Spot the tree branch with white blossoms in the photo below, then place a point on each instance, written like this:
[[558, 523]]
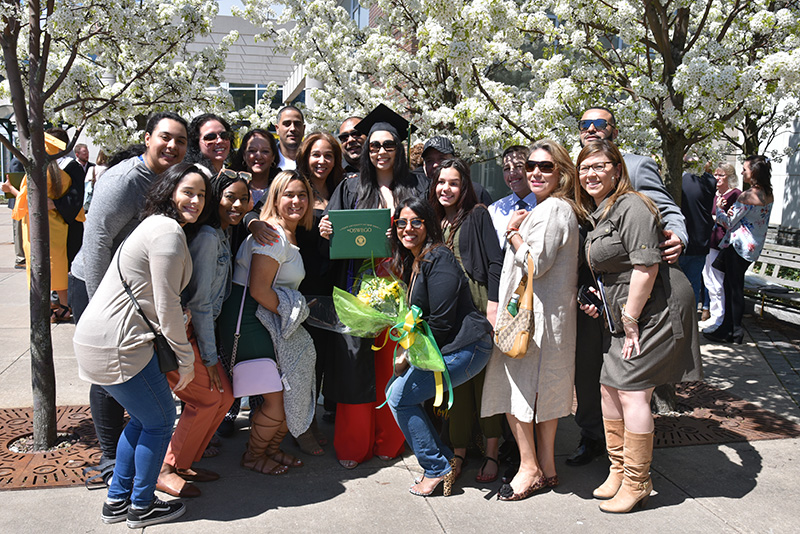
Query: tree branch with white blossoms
[[96, 66]]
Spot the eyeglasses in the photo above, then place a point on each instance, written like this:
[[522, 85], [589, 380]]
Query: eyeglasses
[[344, 136], [212, 136], [596, 167], [599, 124], [389, 146], [416, 224], [544, 166], [234, 175]]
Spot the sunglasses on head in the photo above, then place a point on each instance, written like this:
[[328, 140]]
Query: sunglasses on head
[[389, 146], [599, 124], [234, 175], [212, 136], [415, 223], [344, 136], [544, 166]]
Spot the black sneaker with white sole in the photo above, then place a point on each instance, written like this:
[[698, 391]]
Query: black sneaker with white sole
[[158, 512], [115, 512]]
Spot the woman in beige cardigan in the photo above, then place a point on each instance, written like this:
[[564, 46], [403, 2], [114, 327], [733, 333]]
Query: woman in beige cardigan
[[114, 345], [535, 390]]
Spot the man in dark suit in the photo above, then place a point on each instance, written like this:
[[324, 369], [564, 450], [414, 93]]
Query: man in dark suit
[[595, 124], [697, 201], [19, 253]]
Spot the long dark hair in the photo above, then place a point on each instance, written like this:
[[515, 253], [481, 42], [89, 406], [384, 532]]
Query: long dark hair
[[239, 162], [761, 172], [467, 199], [159, 198], [402, 185], [303, 155], [403, 261], [193, 153], [219, 184]]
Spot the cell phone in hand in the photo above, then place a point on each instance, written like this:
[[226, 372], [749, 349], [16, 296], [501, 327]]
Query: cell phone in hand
[[588, 297]]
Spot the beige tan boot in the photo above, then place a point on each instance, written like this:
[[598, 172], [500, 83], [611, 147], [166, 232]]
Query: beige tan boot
[[615, 437], [636, 482]]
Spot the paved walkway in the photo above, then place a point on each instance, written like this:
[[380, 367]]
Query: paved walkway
[[737, 487]]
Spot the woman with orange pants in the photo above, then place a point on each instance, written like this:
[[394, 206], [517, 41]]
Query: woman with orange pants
[[209, 396]]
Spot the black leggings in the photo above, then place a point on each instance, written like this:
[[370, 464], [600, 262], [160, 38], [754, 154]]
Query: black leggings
[[107, 414], [734, 267]]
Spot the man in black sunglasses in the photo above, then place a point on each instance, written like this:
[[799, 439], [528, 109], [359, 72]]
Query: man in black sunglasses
[[599, 123], [352, 142], [595, 124]]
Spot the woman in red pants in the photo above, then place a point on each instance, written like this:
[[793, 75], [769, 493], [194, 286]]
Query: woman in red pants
[[361, 374]]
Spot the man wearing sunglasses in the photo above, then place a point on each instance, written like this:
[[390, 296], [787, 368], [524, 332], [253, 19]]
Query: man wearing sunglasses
[[352, 142], [595, 124], [599, 123], [290, 127], [516, 178]]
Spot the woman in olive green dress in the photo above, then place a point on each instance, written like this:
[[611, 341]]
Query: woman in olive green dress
[[650, 336]]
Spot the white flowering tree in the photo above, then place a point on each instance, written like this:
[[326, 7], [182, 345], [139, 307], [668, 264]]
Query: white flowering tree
[[94, 65], [677, 73], [686, 69]]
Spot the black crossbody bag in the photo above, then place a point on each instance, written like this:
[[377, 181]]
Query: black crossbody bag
[[167, 361]]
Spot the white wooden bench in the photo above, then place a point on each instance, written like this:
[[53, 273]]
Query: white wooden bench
[[766, 281]]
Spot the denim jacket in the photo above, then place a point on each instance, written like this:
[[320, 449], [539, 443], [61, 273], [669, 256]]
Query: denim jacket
[[209, 287]]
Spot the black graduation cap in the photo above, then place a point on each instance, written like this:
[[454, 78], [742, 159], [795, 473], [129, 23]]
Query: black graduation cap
[[382, 114]]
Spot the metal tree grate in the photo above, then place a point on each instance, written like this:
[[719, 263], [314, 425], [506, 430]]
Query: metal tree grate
[[713, 415], [57, 468]]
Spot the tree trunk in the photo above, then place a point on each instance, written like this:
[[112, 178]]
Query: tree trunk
[[751, 141], [43, 378], [673, 147]]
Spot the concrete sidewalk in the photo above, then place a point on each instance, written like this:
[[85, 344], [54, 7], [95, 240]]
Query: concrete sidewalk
[[738, 487]]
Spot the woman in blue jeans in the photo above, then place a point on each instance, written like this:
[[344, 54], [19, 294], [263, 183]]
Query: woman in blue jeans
[[114, 345], [437, 285]]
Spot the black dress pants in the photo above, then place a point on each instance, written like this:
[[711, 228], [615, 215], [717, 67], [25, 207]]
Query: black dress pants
[[107, 414]]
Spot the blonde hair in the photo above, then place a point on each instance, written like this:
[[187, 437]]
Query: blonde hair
[[623, 186], [730, 172], [276, 189]]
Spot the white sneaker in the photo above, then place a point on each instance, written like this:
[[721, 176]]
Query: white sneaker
[[712, 322]]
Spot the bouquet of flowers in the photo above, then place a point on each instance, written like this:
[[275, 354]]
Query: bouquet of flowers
[[376, 305], [379, 304]]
